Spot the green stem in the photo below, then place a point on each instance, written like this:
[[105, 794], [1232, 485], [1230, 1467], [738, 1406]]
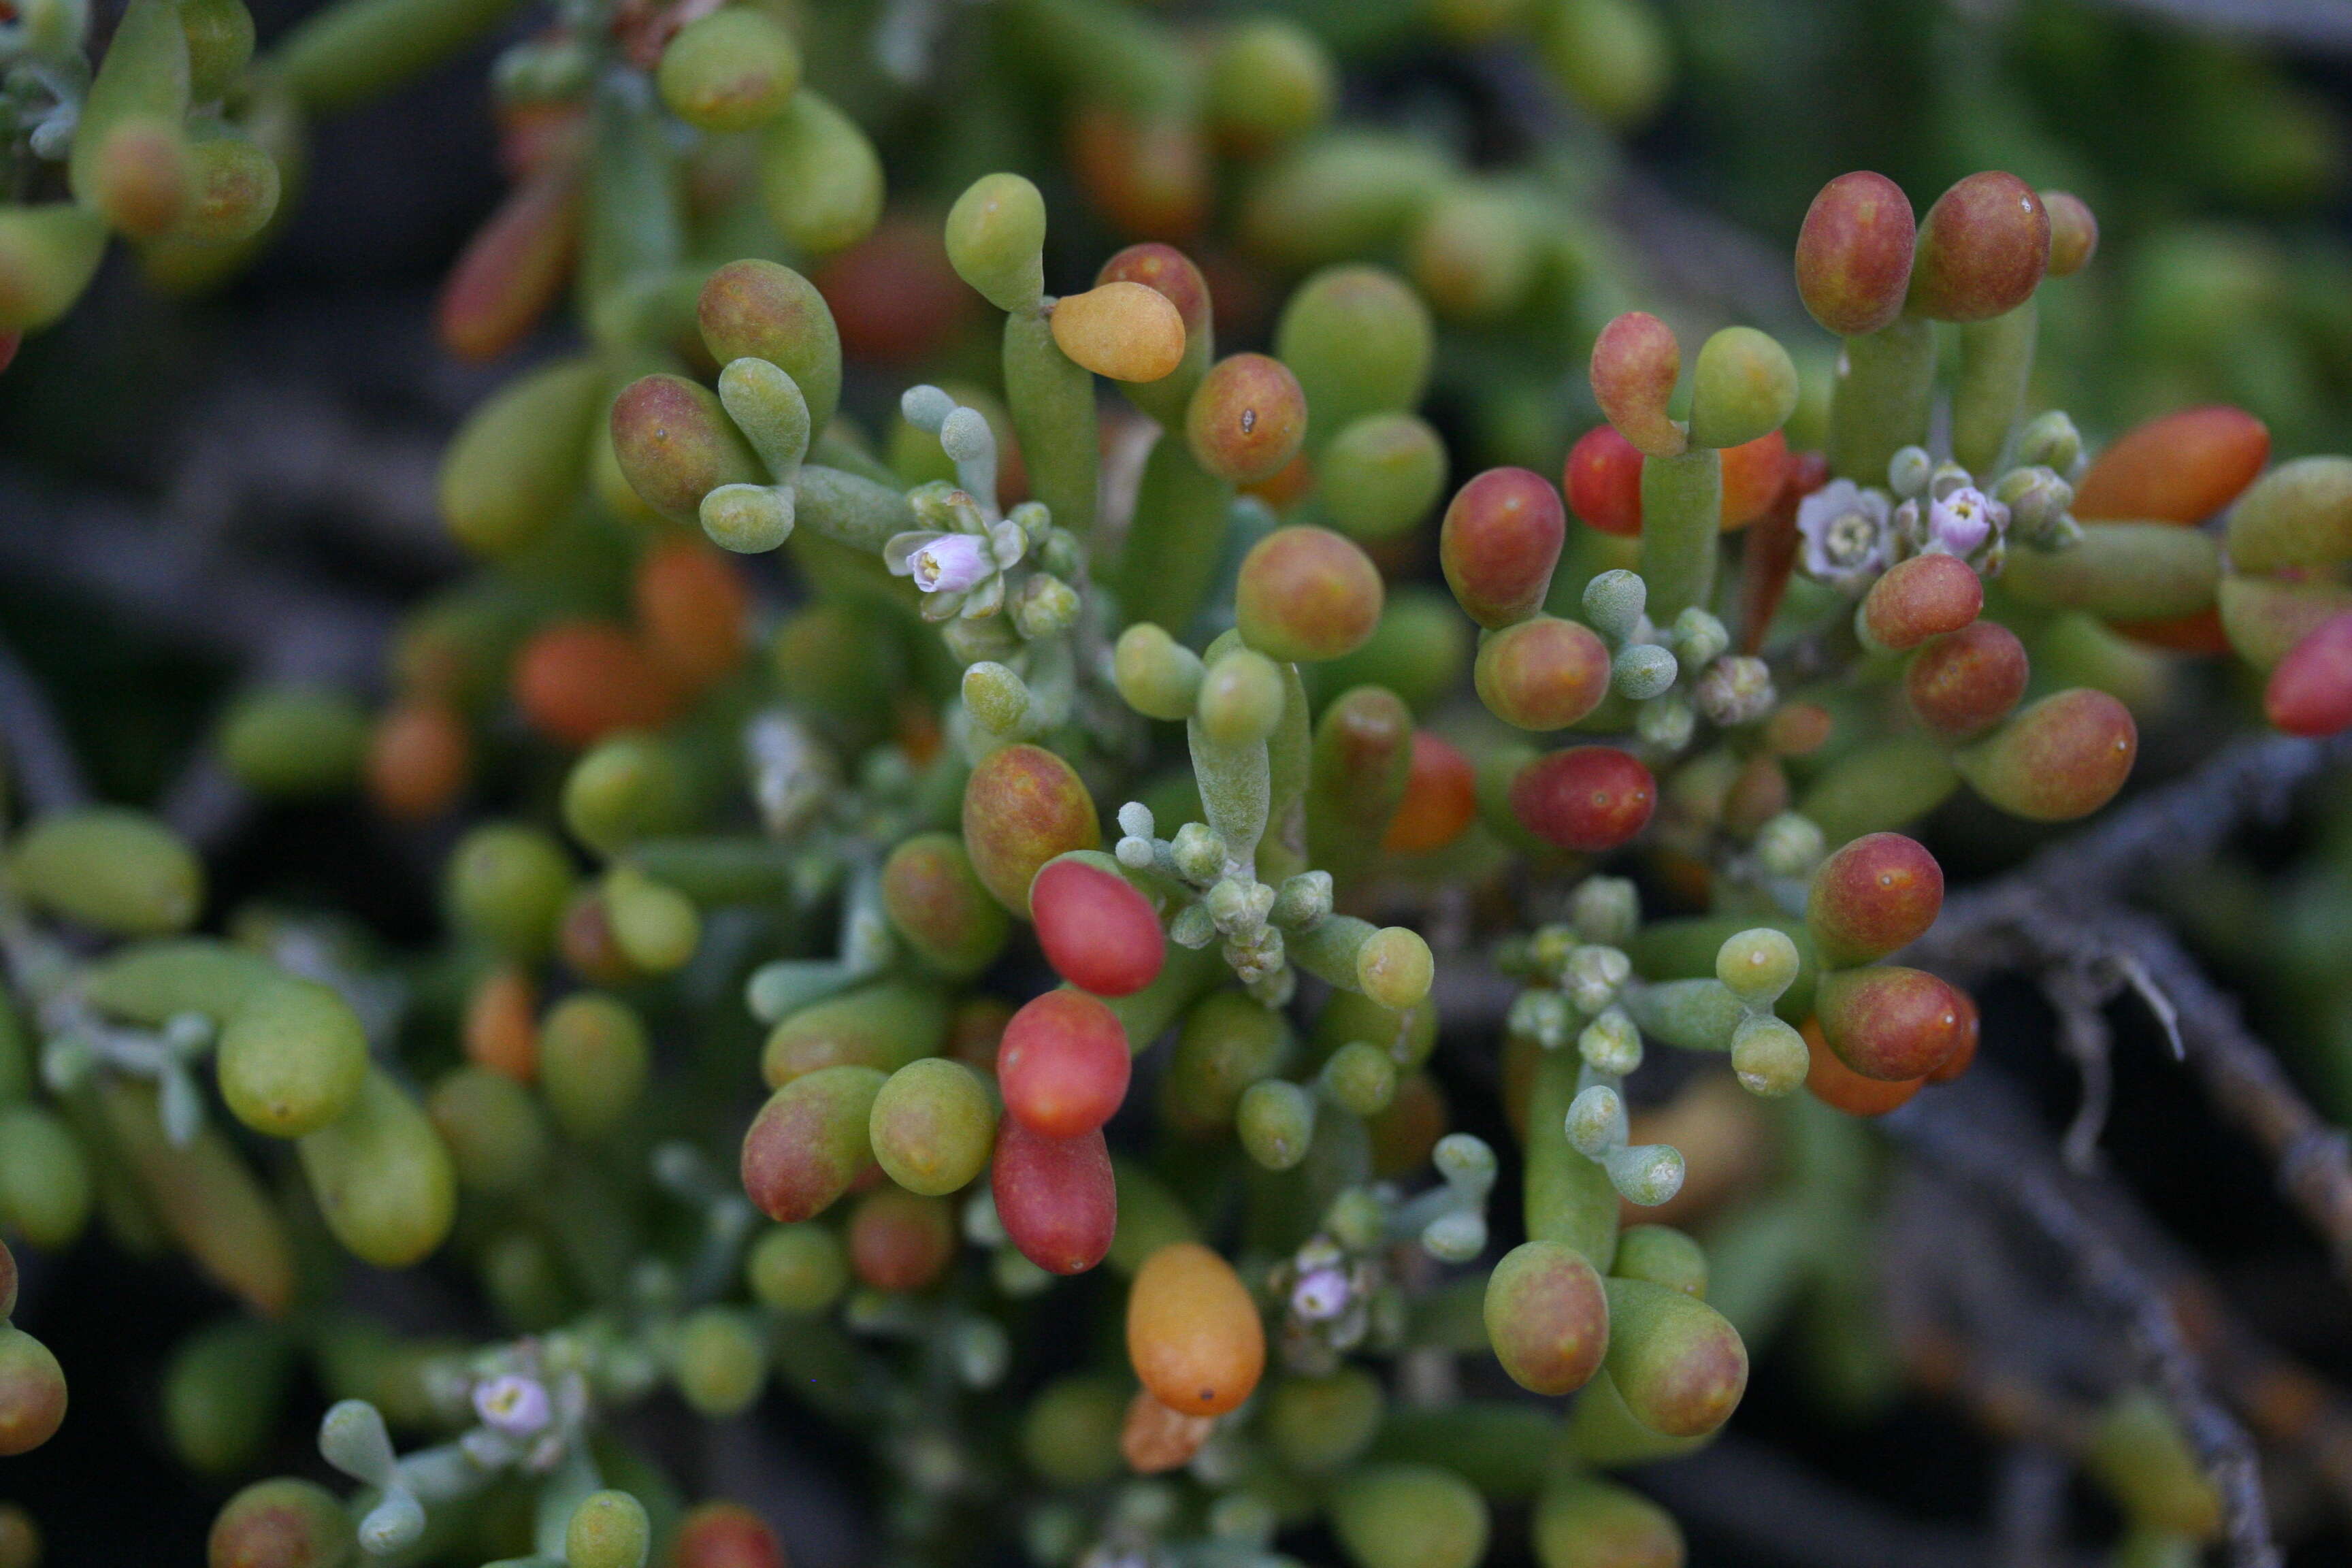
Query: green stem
[[849, 510], [1682, 519], [1988, 395], [1235, 791], [1569, 1198], [1177, 540], [1885, 383], [1053, 403]]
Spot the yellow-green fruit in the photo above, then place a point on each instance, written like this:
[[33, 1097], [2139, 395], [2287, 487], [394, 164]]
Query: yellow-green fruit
[[798, 1268], [1409, 1516], [291, 1058], [1317, 1426], [108, 866], [819, 176], [721, 1361], [45, 1186], [517, 462], [1070, 1434], [383, 1177], [592, 1063], [732, 70], [293, 743]]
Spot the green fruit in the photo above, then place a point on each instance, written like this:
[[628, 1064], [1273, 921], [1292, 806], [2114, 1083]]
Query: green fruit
[[594, 1060], [108, 866], [383, 1177], [291, 1058], [1409, 1516]]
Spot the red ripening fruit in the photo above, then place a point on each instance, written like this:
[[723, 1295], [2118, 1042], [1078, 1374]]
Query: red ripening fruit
[[893, 294], [1635, 364], [1982, 250], [1544, 673], [1753, 473], [1499, 541], [2064, 757], [1967, 681], [2310, 691], [1603, 481], [1171, 272], [2181, 467], [1306, 592], [694, 610], [418, 758], [901, 1241], [513, 268], [1148, 174], [1246, 418], [1054, 1196], [1841, 1087], [1099, 933], [1062, 1064], [1587, 797], [1440, 799], [1878, 893], [1890, 1023], [2073, 232], [724, 1536], [1972, 1029], [1919, 598], [577, 681], [1854, 253]]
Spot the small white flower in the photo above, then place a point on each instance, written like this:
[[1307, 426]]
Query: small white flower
[[1961, 523], [1320, 1295], [943, 563], [1845, 530], [515, 1405]]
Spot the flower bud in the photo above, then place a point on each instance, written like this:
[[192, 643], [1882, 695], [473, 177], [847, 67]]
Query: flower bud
[[1590, 798], [1918, 598], [1744, 389], [1635, 364], [1360, 342], [1983, 249], [1499, 543], [1125, 331], [732, 69], [1889, 1023], [1547, 1317], [1022, 806], [996, 238], [1247, 419], [2073, 232], [1542, 673], [1306, 594], [2062, 758], [1603, 481], [1788, 845], [1642, 670], [1613, 603], [1854, 254], [820, 178], [811, 1141]]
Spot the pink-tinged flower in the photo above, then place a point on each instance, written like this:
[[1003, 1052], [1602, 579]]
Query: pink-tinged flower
[[1961, 523], [1845, 530], [517, 1406], [940, 562], [1320, 1295]]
